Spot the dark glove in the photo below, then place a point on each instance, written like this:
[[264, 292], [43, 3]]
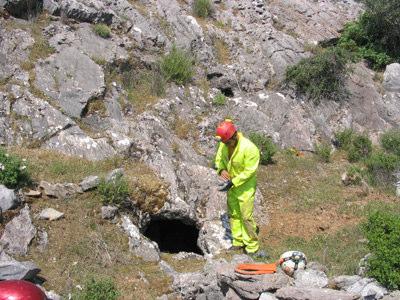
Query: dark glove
[[225, 186]]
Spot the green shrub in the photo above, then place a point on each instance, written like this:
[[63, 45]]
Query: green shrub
[[321, 76], [381, 24], [102, 289], [390, 141], [177, 66], [382, 230], [381, 166], [102, 30], [323, 151], [13, 171], [115, 191], [265, 145], [219, 99], [355, 175], [344, 138], [202, 8], [360, 148]]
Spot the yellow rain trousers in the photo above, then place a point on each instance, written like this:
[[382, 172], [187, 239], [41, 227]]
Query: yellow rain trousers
[[242, 168]]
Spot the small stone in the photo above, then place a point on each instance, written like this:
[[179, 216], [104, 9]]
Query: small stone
[[50, 214], [89, 183], [8, 199], [108, 212], [33, 194]]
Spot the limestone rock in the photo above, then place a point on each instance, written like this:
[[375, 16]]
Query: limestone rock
[[37, 119], [10, 269], [8, 199], [138, 244], [58, 190], [71, 78], [50, 214], [18, 233], [367, 288], [91, 11], [74, 142], [392, 296], [108, 212], [310, 278], [391, 78], [298, 293], [89, 183]]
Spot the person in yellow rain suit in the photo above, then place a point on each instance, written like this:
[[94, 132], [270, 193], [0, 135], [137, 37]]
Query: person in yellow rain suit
[[236, 162]]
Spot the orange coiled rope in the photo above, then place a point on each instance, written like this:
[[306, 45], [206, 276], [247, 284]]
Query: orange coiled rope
[[255, 269]]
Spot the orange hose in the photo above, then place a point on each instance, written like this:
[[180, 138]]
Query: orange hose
[[255, 269]]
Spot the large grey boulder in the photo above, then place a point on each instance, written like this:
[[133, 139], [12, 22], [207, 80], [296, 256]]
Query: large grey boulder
[[10, 269], [37, 119], [74, 142], [138, 244], [91, 11], [14, 49], [298, 293], [8, 199], [391, 78], [70, 78], [18, 233]]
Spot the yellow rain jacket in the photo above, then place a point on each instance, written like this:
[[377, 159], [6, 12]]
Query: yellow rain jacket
[[242, 168]]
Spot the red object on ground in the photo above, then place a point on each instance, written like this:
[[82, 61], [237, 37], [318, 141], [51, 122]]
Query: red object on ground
[[20, 290], [225, 130]]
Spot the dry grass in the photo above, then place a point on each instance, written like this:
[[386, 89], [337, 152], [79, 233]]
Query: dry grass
[[96, 106], [82, 245], [183, 128], [222, 52]]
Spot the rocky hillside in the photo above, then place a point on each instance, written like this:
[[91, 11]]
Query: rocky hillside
[[82, 78]]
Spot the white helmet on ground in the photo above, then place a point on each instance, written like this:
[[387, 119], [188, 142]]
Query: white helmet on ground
[[291, 261]]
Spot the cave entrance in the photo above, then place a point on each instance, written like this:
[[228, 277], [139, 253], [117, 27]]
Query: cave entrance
[[173, 236]]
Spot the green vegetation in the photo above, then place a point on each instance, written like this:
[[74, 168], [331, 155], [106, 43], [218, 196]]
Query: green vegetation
[[102, 30], [383, 231], [177, 66], [321, 76], [219, 99], [98, 289], [380, 168], [13, 170], [115, 191], [375, 36], [360, 148], [323, 151], [355, 174], [344, 138], [265, 145], [390, 141], [202, 8]]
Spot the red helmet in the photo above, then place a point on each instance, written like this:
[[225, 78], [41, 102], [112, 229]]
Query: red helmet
[[20, 290], [225, 130]]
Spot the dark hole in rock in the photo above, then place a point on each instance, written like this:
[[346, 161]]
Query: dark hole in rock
[[227, 92], [173, 236]]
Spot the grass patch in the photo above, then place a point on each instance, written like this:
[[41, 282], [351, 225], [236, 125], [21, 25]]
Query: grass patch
[[221, 50], [339, 252], [390, 141], [202, 8], [102, 30], [98, 289], [177, 66], [13, 170], [219, 99], [323, 151], [115, 192]]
